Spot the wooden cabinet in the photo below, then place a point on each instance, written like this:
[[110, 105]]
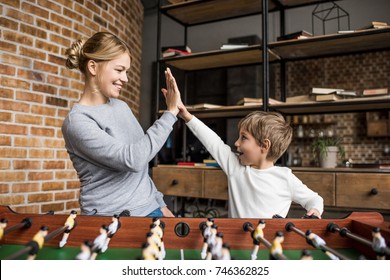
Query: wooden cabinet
[[353, 189], [179, 182], [191, 182], [322, 183], [363, 190], [215, 184]]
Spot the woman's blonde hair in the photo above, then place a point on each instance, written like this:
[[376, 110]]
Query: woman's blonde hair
[[268, 125], [102, 46]]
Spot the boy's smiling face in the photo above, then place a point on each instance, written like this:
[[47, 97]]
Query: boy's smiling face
[[249, 152]]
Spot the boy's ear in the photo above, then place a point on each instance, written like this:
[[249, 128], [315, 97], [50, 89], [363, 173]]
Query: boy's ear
[[92, 67], [266, 144]]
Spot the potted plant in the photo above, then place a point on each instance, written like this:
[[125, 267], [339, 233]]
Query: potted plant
[[325, 151]]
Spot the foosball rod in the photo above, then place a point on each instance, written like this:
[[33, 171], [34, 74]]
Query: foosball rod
[[344, 232], [27, 249], [291, 227], [25, 223], [248, 227]]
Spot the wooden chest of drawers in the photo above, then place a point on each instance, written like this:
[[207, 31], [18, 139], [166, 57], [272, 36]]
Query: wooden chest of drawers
[[191, 181], [352, 189]]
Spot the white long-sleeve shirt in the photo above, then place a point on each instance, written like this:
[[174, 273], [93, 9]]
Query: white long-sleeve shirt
[[255, 193]]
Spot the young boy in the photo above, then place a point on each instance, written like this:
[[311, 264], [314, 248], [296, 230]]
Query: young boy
[[257, 188]]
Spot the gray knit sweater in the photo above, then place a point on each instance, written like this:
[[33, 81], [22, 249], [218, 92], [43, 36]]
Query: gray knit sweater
[[110, 153]]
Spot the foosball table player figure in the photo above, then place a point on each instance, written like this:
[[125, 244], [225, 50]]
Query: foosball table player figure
[[37, 242], [112, 229], [99, 242], [157, 231], [214, 250], [378, 244], [276, 248], [86, 250], [208, 240], [306, 255], [256, 234], [318, 243], [3, 225], [70, 223]]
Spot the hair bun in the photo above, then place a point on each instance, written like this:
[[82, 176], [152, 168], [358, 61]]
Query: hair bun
[[74, 53]]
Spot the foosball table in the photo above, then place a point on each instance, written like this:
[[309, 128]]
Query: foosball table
[[347, 238]]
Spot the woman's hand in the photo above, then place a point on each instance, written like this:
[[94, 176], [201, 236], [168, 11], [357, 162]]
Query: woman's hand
[[171, 93], [166, 212]]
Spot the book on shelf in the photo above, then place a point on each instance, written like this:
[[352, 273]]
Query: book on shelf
[[233, 46], [211, 162], [345, 31], [332, 94], [249, 101], [329, 97], [183, 48], [203, 106], [376, 91], [171, 52], [302, 34], [300, 98], [316, 90], [186, 163], [176, 1], [374, 25], [250, 40]]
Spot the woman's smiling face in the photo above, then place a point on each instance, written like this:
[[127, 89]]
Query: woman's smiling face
[[112, 75]]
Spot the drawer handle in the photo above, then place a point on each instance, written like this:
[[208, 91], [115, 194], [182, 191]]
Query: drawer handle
[[374, 191], [174, 182]]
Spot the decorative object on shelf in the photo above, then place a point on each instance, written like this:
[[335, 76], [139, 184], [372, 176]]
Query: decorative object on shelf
[[329, 13], [325, 151]]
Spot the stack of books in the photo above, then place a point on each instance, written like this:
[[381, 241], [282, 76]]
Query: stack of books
[[206, 162], [211, 162], [172, 51], [375, 25], [203, 106], [331, 94], [250, 101]]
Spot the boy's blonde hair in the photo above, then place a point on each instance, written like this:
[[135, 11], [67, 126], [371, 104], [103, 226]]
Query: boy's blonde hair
[[268, 125]]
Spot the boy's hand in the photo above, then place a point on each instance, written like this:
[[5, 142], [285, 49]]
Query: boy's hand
[[314, 212], [183, 113]]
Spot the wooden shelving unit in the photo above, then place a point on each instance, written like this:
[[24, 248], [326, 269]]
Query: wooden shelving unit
[[219, 58], [333, 44]]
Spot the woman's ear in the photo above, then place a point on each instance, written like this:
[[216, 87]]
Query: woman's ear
[[92, 67]]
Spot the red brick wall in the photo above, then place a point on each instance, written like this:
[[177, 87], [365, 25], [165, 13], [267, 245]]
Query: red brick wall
[[37, 91]]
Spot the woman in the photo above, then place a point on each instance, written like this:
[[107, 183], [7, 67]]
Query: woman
[[105, 142]]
